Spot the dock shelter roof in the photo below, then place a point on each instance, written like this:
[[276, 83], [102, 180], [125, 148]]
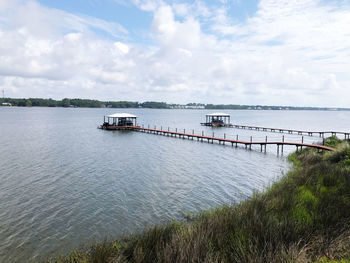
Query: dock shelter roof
[[218, 114], [121, 115]]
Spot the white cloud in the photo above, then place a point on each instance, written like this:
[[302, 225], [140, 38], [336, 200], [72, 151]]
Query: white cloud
[[122, 47], [148, 5], [289, 52], [44, 43], [181, 9], [176, 34]]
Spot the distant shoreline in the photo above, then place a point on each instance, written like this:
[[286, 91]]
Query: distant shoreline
[[60, 107], [87, 103]]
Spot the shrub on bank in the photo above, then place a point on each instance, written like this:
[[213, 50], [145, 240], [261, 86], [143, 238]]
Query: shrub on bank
[[304, 217]]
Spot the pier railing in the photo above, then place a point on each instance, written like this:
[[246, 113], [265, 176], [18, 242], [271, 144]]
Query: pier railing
[[191, 135], [321, 134]]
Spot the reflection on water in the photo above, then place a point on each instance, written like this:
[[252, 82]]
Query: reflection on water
[[64, 183]]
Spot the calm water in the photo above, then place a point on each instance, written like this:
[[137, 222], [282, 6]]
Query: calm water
[[64, 183]]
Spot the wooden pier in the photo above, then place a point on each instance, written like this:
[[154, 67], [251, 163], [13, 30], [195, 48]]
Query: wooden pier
[[321, 134], [212, 139]]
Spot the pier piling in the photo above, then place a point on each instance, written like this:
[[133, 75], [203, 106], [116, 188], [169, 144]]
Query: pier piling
[[223, 140]]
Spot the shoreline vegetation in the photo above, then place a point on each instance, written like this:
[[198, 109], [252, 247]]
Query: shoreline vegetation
[[303, 217], [87, 103]]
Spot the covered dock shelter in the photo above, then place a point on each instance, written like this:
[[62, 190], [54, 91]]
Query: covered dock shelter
[[217, 119], [119, 120]]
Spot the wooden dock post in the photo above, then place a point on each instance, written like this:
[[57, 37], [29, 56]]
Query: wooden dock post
[[224, 138], [302, 141]]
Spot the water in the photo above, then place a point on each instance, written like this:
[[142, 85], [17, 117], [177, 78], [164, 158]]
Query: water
[[64, 183]]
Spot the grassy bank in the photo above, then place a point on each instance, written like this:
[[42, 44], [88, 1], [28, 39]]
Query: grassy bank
[[305, 217]]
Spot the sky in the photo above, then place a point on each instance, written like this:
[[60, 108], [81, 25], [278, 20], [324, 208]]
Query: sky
[[267, 52]]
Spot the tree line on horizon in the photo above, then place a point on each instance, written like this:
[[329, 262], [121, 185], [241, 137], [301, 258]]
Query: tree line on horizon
[[88, 103], [81, 103]]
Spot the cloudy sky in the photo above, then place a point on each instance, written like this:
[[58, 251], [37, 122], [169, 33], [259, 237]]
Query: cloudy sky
[[269, 52]]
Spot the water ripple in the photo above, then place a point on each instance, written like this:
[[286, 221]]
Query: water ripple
[[64, 183]]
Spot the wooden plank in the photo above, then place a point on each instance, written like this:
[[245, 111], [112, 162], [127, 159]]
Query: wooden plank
[[223, 140]]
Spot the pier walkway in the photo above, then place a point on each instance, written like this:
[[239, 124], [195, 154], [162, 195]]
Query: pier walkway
[[321, 134], [212, 139]]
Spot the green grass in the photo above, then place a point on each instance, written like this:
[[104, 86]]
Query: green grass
[[304, 217], [333, 141]]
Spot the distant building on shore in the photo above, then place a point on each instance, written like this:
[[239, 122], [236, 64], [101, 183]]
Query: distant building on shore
[[187, 107]]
